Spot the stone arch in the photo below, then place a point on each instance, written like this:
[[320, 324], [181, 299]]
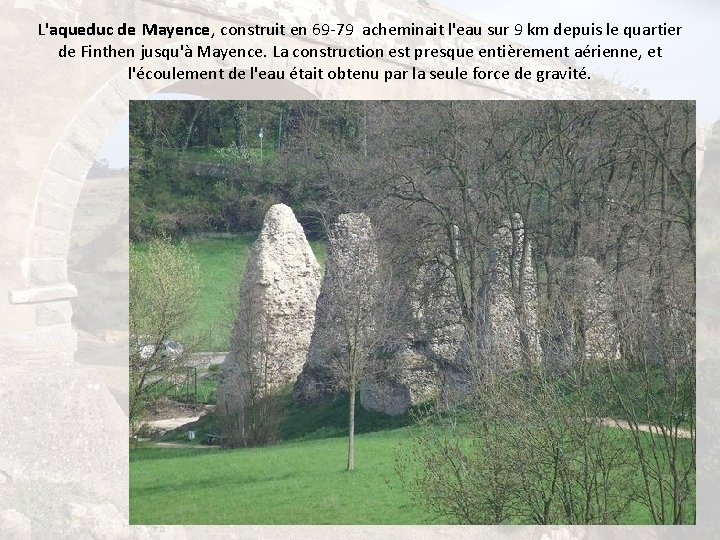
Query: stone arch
[[45, 264]]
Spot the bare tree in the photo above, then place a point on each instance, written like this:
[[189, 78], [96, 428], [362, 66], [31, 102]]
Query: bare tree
[[520, 453], [610, 181], [250, 405], [353, 314], [655, 395], [438, 171]]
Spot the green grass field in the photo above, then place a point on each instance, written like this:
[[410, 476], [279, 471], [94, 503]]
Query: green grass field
[[222, 260], [297, 482], [293, 483], [222, 264], [301, 480]]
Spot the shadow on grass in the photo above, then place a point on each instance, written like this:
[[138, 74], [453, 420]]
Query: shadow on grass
[[330, 419], [312, 422], [220, 481]]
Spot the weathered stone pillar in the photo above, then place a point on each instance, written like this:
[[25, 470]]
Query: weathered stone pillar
[[582, 330], [351, 262], [508, 328], [276, 313]]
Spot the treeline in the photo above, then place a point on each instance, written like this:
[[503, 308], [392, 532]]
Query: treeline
[[198, 166], [611, 180]]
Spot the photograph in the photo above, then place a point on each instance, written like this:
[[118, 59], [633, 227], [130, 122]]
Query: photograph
[[412, 312]]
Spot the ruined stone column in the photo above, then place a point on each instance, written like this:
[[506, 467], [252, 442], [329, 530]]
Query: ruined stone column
[[351, 265], [582, 329], [430, 339], [276, 311], [508, 322]]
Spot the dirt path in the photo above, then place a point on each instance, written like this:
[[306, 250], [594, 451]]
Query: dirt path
[[622, 424], [167, 424], [182, 445], [206, 359]]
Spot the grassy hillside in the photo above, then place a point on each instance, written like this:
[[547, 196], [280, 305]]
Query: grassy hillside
[[222, 260]]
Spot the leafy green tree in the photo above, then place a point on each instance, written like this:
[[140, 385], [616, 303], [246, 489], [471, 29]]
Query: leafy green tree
[[164, 284]]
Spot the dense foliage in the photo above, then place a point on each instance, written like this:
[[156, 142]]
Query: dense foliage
[[198, 165]]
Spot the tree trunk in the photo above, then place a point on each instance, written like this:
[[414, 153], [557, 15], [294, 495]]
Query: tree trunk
[[351, 432]]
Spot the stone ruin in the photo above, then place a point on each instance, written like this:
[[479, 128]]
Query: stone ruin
[[404, 374], [582, 330], [276, 312], [427, 353], [351, 262], [508, 323], [670, 337], [436, 317], [409, 378], [437, 360], [433, 359]]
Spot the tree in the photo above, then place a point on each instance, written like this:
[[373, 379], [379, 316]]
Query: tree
[[353, 310], [445, 165], [250, 407], [520, 452], [655, 395], [164, 284], [611, 181]]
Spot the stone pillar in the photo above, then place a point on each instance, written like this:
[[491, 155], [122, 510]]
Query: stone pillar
[[508, 329], [582, 330], [351, 262], [276, 311]]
